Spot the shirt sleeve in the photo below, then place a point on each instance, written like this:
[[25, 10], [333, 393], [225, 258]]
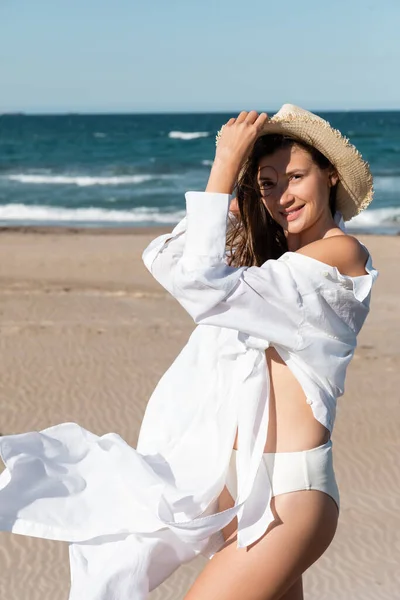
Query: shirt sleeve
[[162, 255], [259, 301]]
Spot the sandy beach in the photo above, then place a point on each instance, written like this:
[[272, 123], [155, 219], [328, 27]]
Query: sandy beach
[[85, 334]]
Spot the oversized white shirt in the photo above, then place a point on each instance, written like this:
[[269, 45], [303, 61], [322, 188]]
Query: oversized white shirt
[[133, 516]]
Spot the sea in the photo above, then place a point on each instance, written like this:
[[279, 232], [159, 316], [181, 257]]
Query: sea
[[129, 170]]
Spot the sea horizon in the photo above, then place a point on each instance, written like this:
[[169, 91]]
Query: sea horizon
[[116, 112]]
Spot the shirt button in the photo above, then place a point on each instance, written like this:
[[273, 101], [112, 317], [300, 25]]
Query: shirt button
[[309, 401], [325, 273]]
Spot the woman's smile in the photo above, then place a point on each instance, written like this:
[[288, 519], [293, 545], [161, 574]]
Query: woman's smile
[[293, 213]]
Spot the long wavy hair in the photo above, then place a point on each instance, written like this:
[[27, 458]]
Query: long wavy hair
[[255, 236]]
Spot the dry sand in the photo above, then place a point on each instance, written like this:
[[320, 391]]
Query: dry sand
[[85, 334]]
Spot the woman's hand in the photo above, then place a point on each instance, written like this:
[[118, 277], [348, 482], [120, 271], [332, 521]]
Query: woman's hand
[[234, 145], [234, 208]]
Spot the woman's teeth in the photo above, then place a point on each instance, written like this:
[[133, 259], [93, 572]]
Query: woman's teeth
[[293, 214]]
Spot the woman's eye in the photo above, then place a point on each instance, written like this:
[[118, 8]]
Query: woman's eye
[[296, 177]]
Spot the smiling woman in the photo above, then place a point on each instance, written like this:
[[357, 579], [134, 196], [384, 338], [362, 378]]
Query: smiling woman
[[291, 175], [235, 457], [282, 177]]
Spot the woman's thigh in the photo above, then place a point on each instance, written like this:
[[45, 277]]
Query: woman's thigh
[[270, 569], [295, 592]]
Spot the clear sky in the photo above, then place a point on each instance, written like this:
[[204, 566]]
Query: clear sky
[[198, 55]]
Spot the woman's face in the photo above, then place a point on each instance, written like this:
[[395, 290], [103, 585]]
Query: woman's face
[[294, 189]]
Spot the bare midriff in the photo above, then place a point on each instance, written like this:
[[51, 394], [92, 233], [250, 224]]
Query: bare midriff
[[292, 426]]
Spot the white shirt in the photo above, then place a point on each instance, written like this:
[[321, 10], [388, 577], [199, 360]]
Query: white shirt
[[132, 516]]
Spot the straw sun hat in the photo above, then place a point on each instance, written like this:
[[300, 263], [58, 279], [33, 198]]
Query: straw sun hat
[[355, 186]]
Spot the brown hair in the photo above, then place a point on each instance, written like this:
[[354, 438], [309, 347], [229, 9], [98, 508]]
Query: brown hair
[[256, 237]]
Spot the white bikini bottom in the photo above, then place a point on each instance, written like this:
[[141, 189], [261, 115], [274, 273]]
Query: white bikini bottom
[[294, 471]]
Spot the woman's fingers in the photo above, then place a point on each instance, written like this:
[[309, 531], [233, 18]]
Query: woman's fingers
[[252, 116], [249, 117], [262, 118], [241, 117]]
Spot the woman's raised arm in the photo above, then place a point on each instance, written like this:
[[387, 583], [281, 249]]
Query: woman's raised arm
[[259, 301]]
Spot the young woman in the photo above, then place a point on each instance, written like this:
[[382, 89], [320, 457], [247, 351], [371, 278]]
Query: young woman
[[234, 458]]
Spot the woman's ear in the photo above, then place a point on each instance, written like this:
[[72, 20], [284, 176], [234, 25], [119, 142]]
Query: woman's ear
[[333, 178]]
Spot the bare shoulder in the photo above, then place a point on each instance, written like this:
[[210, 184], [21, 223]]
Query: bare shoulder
[[341, 251]]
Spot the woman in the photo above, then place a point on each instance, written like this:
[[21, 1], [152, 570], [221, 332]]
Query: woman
[[286, 201], [234, 458]]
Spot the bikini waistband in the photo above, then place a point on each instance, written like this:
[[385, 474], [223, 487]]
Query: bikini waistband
[[327, 444]]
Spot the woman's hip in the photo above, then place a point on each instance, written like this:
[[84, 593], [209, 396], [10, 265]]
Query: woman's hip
[[295, 471]]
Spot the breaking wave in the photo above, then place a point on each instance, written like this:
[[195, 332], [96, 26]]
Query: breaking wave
[[184, 135], [20, 214], [84, 180]]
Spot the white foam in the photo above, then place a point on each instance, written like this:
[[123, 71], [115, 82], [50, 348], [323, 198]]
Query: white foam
[[372, 219], [207, 163], [83, 180], [48, 214], [187, 135], [387, 184]]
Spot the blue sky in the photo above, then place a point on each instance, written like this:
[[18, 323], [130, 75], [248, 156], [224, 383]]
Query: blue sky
[[187, 55]]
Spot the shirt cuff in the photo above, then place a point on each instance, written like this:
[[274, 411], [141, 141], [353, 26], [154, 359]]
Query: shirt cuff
[[207, 214]]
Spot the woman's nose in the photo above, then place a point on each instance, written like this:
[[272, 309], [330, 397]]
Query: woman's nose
[[282, 193]]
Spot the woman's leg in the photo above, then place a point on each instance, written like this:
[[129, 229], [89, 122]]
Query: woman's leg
[[304, 526], [295, 592]]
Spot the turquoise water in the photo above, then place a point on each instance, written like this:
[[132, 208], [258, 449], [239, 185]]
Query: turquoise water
[[120, 170]]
